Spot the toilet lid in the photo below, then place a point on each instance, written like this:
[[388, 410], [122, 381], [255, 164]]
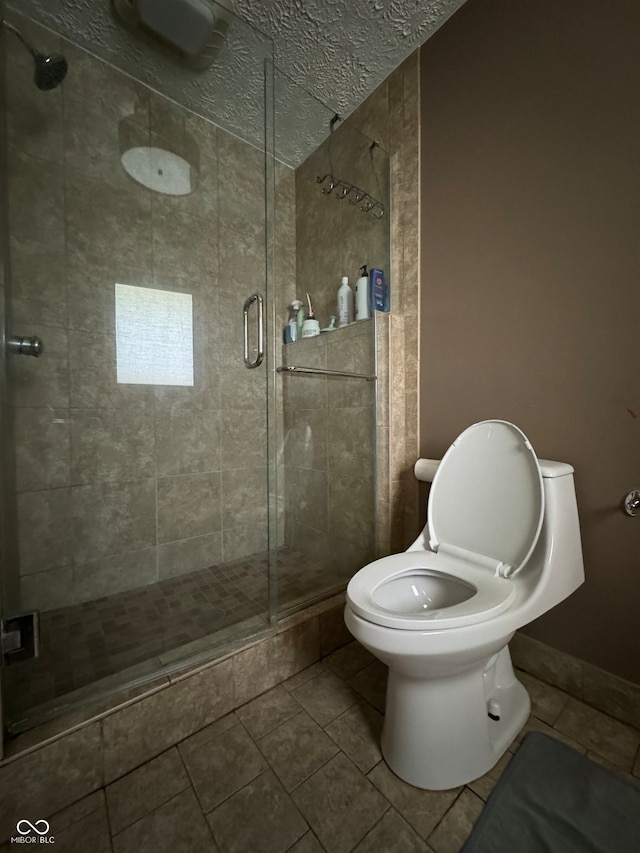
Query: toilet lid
[[487, 496]]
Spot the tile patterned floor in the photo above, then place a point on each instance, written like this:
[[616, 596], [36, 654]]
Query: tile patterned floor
[[86, 642], [298, 770]]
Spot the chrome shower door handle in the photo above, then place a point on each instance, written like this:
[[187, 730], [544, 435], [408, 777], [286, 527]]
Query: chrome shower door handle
[[248, 361]]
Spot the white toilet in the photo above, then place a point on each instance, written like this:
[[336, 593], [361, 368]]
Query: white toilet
[[501, 547]]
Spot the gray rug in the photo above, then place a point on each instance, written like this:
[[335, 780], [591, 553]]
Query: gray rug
[[551, 799]]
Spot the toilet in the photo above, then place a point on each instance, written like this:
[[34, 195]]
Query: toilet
[[501, 547]]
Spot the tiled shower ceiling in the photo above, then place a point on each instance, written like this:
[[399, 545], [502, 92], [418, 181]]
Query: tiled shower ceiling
[[339, 51]]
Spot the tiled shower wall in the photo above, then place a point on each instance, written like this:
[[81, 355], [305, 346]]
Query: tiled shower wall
[[329, 453], [330, 464], [121, 485], [334, 237], [392, 115], [10, 589], [331, 244]]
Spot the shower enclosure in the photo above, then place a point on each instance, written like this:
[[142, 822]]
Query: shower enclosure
[[165, 492]]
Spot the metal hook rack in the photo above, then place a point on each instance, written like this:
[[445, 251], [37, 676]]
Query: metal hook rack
[[340, 190]]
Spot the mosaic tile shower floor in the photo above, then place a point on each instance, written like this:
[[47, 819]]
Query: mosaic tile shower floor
[[87, 642]]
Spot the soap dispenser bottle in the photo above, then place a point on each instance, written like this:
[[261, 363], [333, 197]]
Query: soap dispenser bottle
[[291, 329], [362, 294], [345, 303]]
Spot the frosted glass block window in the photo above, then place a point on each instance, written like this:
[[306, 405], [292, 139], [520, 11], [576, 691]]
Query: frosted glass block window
[[154, 336]]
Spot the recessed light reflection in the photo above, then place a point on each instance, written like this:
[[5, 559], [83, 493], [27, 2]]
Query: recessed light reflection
[[421, 594]]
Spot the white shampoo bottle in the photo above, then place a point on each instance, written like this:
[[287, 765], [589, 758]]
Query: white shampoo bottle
[[345, 303]]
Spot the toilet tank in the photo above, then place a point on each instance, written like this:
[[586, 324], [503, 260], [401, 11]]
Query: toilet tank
[[555, 568]]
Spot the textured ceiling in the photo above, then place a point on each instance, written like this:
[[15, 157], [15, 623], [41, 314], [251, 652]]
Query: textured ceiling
[[330, 54], [341, 50]]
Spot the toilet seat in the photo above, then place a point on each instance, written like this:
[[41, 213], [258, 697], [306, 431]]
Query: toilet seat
[[490, 594], [485, 511]]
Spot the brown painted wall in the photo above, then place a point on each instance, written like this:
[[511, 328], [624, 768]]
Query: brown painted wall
[[530, 252]]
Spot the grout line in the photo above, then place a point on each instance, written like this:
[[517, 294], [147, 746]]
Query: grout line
[[154, 809], [435, 828], [380, 819], [195, 791], [158, 805]]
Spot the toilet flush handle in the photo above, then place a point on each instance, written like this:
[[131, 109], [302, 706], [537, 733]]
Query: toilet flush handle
[[632, 503], [493, 709]]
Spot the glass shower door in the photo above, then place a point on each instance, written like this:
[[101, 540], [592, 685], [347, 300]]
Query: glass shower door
[[138, 464]]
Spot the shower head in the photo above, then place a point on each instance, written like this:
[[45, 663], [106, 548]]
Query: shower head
[[50, 71]]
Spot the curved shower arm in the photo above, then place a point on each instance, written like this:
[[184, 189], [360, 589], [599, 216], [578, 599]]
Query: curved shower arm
[[36, 54]]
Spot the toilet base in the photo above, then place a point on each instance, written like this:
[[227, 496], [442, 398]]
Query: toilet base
[[438, 734]]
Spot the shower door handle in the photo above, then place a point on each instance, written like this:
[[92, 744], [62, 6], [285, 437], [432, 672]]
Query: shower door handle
[[248, 362]]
